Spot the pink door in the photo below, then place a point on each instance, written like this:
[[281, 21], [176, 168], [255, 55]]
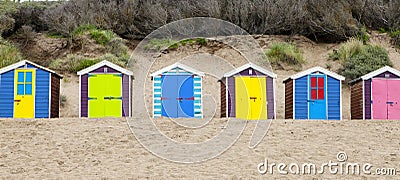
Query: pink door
[[393, 99], [379, 99]]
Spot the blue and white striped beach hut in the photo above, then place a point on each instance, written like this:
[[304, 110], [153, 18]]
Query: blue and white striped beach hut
[[177, 92]]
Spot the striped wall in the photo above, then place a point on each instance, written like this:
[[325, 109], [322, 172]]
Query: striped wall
[[300, 98], [157, 89], [334, 91], [7, 94]]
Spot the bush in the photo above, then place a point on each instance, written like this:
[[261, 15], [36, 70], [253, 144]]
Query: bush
[[363, 35], [347, 50], [285, 54], [74, 63], [69, 64], [26, 33], [9, 54], [160, 44], [395, 35], [369, 59], [102, 36], [63, 100]]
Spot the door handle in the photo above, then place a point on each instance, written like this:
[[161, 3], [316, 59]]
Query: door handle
[[164, 98], [17, 100], [179, 99], [190, 99], [111, 98]]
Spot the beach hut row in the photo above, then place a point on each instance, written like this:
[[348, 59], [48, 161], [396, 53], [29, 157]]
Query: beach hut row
[[28, 90]]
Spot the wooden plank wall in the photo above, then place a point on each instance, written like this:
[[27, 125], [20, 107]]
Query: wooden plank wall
[[223, 98], [55, 97], [289, 99], [356, 100]]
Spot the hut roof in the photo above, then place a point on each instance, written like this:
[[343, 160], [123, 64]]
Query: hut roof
[[376, 73], [250, 65], [23, 62], [105, 63], [315, 69], [177, 65]]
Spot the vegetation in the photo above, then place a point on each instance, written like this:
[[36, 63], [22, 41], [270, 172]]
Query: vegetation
[[358, 58], [282, 53], [9, 54], [320, 20], [100, 36], [363, 36], [395, 35], [74, 63], [63, 100], [114, 46], [351, 47], [160, 44]]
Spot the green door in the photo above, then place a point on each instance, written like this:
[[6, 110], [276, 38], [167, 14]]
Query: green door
[[105, 95]]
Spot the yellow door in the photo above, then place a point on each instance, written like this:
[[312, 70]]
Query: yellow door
[[251, 98], [105, 95], [24, 93]]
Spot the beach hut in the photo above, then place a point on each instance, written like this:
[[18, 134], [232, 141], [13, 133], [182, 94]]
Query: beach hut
[[248, 93], [376, 95], [28, 90], [177, 92], [314, 94], [105, 90]]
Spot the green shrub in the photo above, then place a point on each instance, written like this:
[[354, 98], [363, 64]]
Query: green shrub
[[83, 64], [83, 29], [285, 53], [201, 41], [367, 60], [159, 44], [347, 50], [9, 54], [382, 30], [117, 47], [395, 35], [70, 64], [121, 61], [102, 36], [363, 35], [63, 100]]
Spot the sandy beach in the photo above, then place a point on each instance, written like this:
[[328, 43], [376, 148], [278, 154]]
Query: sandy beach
[[103, 149]]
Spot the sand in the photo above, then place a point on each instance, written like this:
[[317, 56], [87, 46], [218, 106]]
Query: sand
[[94, 149]]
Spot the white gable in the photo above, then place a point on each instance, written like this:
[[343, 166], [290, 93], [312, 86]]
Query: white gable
[[105, 63], [316, 69], [249, 65], [380, 71], [177, 65]]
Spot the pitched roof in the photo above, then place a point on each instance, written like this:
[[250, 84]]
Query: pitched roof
[[22, 63], [177, 65], [105, 63], [380, 71], [375, 73], [316, 69], [250, 65]]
